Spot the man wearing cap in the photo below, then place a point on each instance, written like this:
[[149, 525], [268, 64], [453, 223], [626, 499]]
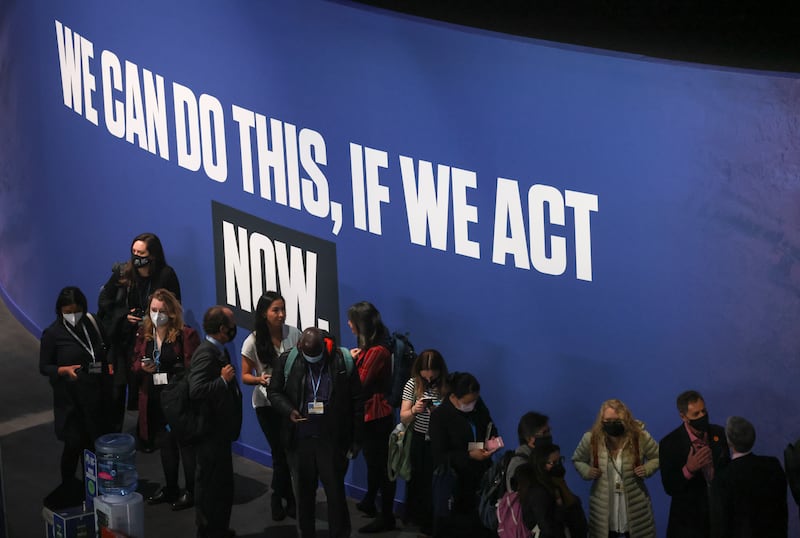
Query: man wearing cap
[[322, 398]]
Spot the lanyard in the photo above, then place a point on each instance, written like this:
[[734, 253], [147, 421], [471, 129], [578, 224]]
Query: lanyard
[[474, 430], [315, 386], [156, 350], [89, 348]]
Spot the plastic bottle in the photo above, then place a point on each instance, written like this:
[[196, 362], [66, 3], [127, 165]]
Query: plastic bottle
[[116, 464]]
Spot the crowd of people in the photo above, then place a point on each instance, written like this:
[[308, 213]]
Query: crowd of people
[[320, 405]]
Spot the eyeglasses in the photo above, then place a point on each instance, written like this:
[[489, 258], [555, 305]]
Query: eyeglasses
[[559, 460]]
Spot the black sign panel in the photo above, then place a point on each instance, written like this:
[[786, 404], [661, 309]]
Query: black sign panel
[[252, 256]]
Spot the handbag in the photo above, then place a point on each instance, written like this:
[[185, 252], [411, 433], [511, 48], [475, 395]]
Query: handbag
[[443, 489], [399, 462]]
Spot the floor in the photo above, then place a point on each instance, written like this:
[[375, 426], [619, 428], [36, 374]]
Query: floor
[[29, 454]]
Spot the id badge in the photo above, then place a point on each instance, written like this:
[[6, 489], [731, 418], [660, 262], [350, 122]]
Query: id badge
[[618, 486], [95, 368], [474, 446], [160, 378], [316, 408]]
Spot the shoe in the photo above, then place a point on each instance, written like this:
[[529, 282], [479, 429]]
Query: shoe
[[164, 495], [277, 509], [368, 509], [184, 501], [291, 508], [380, 524]]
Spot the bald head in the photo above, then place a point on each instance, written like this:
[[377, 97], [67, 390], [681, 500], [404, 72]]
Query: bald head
[[311, 342]]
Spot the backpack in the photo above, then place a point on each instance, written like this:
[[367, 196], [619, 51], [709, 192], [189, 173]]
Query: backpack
[[181, 413], [509, 517], [493, 487], [403, 357], [294, 352], [791, 464], [399, 462], [443, 490]]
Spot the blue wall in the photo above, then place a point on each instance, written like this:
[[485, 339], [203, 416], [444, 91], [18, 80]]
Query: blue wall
[[600, 225]]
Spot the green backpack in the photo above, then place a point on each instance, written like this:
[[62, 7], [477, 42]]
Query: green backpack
[[399, 462]]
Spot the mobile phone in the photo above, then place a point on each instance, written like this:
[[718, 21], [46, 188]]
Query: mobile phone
[[494, 443]]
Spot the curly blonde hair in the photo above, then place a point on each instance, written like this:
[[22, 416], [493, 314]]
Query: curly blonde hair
[[633, 428]]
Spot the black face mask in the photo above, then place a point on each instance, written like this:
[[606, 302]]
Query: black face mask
[[700, 424], [614, 429], [140, 261], [557, 470], [542, 441]]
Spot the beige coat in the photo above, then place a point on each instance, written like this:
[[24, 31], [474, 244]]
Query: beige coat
[[641, 523]]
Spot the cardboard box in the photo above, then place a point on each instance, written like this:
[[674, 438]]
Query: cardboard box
[[77, 522]]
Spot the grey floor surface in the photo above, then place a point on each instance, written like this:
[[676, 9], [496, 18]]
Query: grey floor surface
[[30, 453]]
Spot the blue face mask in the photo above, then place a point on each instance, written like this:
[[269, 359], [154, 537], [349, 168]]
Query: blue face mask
[[313, 359]]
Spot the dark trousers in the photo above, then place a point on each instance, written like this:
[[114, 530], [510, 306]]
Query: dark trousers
[[213, 486], [314, 460], [76, 439], [171, 455], [376, 454], [419, 498], [271, 424]]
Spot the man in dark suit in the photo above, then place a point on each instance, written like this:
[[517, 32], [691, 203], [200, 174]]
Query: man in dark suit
[[749, 495], [690, 457], [213, 386], [322, 399]]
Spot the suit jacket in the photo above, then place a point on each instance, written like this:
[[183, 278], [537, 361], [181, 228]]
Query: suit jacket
[[689, 513], [749, 499], [219, 403]]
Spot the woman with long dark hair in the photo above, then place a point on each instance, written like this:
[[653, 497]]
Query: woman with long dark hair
[[72, 355], [260, 351], [548, 506], [374, 362], [163, 350], [422, 394], [123, 304]]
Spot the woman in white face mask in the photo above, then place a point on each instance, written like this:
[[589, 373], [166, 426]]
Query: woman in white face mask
[[163, 350], [463, 437], [73, 355]]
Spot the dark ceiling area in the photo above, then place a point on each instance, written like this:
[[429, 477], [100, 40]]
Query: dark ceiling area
[[739, 33]]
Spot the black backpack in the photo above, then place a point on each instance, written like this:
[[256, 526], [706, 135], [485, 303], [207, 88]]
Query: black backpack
[[493, 487], [403, 357], [183, 417]]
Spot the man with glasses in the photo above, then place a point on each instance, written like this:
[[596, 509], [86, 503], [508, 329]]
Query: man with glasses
[[690, 457]]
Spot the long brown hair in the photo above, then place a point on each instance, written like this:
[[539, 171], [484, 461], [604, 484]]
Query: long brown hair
[[430, 359], [174, 313]]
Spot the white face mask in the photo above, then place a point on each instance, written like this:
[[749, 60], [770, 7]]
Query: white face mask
[[159, 319], [467, 408], [73, 318]]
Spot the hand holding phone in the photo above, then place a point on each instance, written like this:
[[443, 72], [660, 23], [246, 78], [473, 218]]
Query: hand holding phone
[[494, 444]]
